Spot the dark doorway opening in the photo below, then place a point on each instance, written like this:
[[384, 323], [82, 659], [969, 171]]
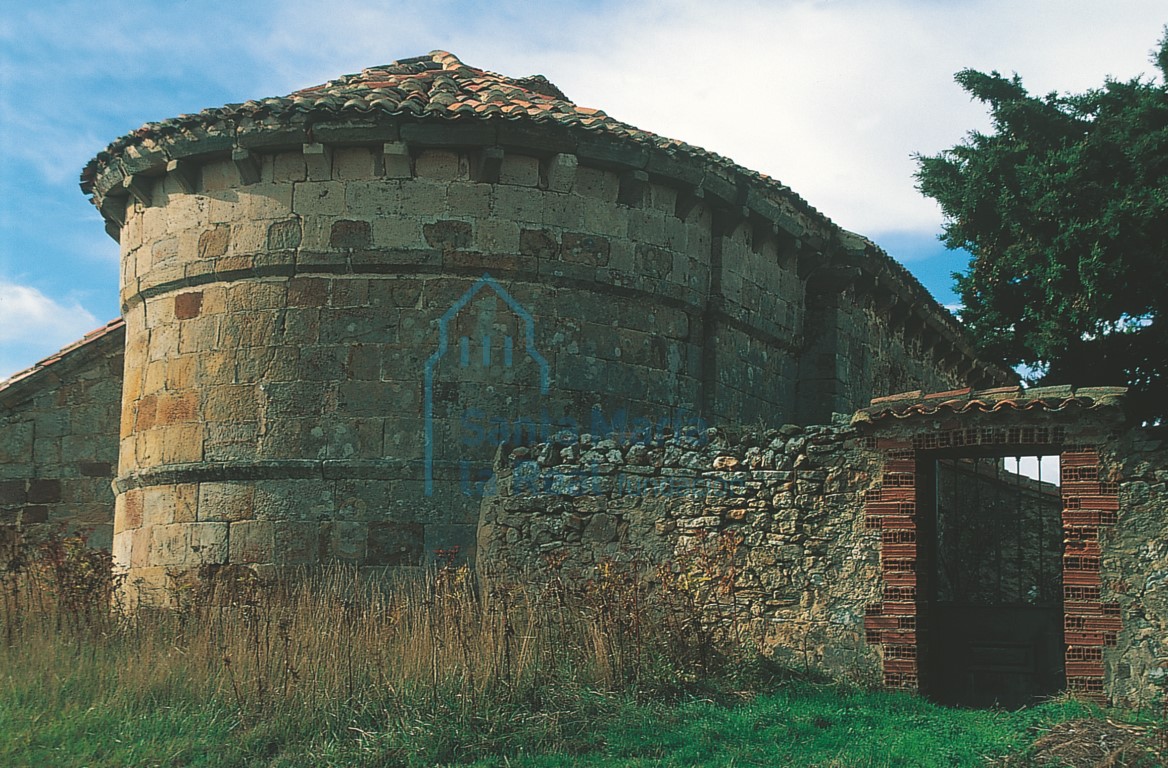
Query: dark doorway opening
[[993, 580]]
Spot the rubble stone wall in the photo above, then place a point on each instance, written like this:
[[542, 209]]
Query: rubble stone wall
[[833, 565], [806, 569], [1134, 565]]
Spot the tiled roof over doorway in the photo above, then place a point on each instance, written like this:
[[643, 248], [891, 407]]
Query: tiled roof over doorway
[[906, 405]]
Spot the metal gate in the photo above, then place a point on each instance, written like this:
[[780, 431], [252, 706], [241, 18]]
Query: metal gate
[[996, 602]]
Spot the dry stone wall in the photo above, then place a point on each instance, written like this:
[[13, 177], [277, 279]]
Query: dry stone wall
[[806, 569], [834, 564]]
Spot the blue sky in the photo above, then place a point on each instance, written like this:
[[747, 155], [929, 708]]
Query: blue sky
[[831, 97]]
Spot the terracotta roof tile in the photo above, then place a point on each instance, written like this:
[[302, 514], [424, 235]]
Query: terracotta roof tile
[[440, 87], [907, 405], [50, 363], [434, 85]]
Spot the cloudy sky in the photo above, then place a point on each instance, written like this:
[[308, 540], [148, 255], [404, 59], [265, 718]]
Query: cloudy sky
[[831, 97]]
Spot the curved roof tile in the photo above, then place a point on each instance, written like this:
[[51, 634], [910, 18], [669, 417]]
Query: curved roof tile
[[908, 405], [435, 85]]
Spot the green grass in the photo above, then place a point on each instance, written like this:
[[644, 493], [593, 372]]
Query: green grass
[[328, 670], [89, 722]]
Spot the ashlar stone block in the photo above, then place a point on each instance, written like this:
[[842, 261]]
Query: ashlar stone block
[[229, 501], [441, 165], [561, 173], [520, 170], [318, 198], [208, 543], [353, 163], [251, 541]]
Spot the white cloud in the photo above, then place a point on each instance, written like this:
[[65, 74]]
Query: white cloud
[[831, 97], [33, 325]]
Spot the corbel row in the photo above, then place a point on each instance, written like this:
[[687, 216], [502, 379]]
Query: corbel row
[[736, 198]]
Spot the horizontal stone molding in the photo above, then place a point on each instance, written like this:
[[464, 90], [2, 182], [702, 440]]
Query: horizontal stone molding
[[285, 469], [693, 304]]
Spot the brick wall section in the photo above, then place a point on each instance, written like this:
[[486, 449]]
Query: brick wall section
[[58, 441], [1090, 508], [808, 567], [1115, 596], [891, 510]]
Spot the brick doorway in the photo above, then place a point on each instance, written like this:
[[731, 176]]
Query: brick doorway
[[990, 559], [992, 425]]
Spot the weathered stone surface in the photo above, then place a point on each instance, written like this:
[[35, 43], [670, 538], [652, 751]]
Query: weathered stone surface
[[350, 234], [390, 301], [59, 444], [285, 234], [1134, 563], [802, 587], [392, 543]]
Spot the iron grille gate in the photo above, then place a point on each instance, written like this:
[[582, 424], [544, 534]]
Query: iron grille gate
[[996, 582]]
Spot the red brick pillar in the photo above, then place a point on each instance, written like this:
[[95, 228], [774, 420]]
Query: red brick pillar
[[1089, 505], [891, 509]]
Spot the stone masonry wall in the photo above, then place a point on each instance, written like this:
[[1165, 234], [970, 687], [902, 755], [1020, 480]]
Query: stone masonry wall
[[1134, 565], [807, 565], [317, 367], [859, 346], [280, 332], [833, 565], [59, 445]]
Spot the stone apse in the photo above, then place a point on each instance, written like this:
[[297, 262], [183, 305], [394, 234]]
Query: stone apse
[[338, 303], [426, 307]]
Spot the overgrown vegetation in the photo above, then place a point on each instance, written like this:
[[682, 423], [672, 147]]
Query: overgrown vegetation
[[336, 670]]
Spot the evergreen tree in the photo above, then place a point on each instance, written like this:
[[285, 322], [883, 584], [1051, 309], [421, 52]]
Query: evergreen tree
[[1064, 210]]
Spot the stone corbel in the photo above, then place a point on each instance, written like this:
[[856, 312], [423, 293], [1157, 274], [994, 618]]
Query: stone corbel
[[727, 220], [633, 185], [898, 315], [687, 200], [761, 231], [318, 161], [912, 328], [185, 173], [113, 208], [490, 163], [248, 165], [138, 187], [883, 295], [394, 160]]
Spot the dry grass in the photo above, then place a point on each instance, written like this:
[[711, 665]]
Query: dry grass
[[330, 668], [428, 650]]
